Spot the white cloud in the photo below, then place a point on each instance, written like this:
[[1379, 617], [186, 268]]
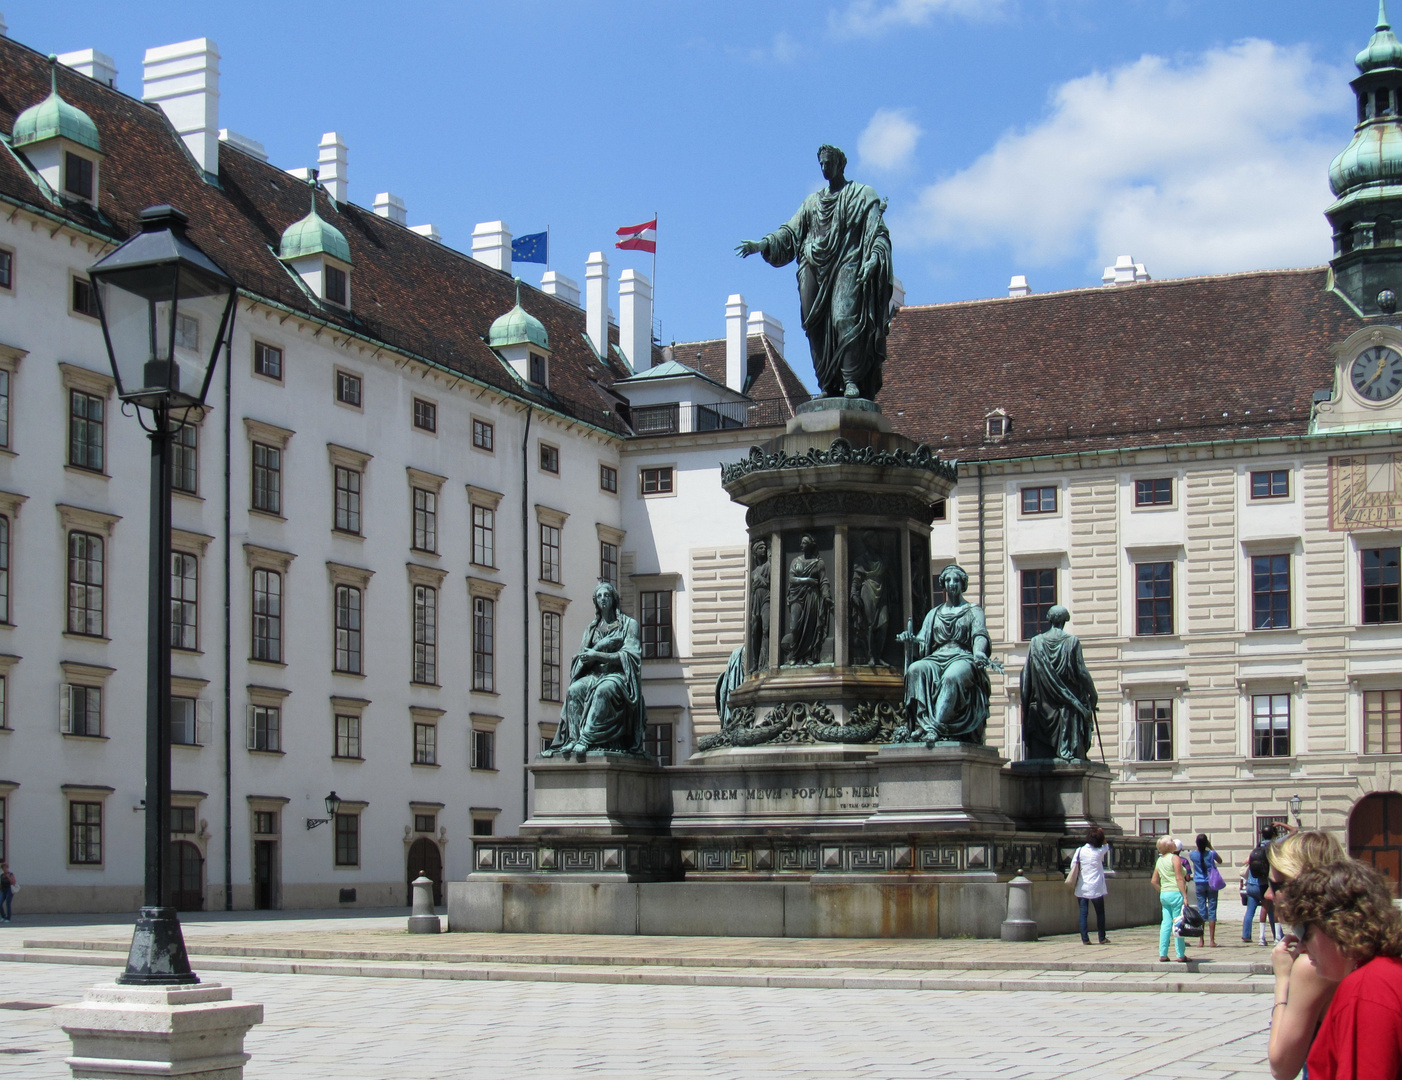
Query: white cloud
[[889, 139], [870, 17], [1214, 164], [782, 50]]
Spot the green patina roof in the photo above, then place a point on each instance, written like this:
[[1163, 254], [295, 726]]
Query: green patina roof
[[518, 327], [313, 236], [1383, 49], [1374, 156], [54, 117]]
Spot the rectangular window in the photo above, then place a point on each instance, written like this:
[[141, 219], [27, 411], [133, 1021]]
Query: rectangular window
[[184, 601], [267, 616], [187, 332], [425, 634], [336, 285], [1270, 725], [347, 500], [4, 701], [1153, 730], [85, 595], [267, 478], [481, 826], [4, 569], [85, 833], [84, 710], [1272, 484], [348, 629], [941, 509], [484, 617], [549, 553], [347, 839], [7, 269], [425, 744], [267, 360], [425, 415], [1382, 721], [183, 729], [182, 819], [85, 430], [1039, 500], [185, 459], [659, 742], [1270, 592], [1153, 598], [348, 388], [347, 736], [1156, 492], [656, 628], [484, 531], [608, 478], [537, 369], [1381, 585], [550, 656], [265, 728], [549, 458], [656, 481], [482, 435], [84, 298], [484, 749], [265, 822], [656, 419], [1153, 826], [77, 175], [425, 520], [425, 822], [1038, 598], [608, 563], [4, 405]]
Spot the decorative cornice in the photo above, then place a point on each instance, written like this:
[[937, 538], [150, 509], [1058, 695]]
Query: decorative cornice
[[841, 452]]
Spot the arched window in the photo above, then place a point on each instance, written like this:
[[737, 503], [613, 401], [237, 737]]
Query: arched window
[[1382, 102], [1362, 106]]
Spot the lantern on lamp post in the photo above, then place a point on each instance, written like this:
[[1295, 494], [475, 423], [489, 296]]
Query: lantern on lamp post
[[1295, 803], [166, 311]]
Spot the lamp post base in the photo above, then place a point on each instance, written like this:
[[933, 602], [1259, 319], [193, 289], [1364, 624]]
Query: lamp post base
[[157, 956]]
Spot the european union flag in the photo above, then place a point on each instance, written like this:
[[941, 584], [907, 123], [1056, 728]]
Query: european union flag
[[530, 248]]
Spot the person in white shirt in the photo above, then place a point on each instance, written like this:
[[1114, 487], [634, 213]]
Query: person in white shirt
[[1088, 876]]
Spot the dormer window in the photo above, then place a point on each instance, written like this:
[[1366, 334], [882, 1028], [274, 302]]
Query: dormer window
[[317, 252], [336, 285], [996, 424], [537, 375], [77, 176], [521, 340], [61, 143]]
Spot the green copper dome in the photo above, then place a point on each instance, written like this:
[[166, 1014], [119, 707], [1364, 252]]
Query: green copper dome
[[1374, 155], [54, 117], [1383, 49], [313, 236], [518, 327]]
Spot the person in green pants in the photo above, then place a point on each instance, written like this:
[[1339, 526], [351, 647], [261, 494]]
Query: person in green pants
[[1173, 895]]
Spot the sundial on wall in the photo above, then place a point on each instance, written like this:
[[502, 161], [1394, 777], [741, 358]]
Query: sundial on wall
[[1365, 491]]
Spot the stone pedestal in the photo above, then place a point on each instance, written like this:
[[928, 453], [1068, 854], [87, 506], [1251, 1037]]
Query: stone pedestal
[[1063, 795], [604, 795], [950, 786], [127, 1032]]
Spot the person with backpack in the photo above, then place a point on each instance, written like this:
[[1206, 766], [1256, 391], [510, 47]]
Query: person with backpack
[[1258, 869], [8, 885], [1207, 883], [1088, 876]]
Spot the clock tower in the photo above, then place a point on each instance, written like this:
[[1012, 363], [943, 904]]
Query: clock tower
[[1366, 179]]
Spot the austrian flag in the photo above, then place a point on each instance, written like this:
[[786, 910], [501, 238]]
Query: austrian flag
[[638, 237]]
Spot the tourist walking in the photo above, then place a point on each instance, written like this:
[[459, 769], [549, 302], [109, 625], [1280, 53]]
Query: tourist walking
[[1342, 914], [1256, 869], [1207, 883], [1088, 876], [8, 885], [1173, 897], [1301, 992]]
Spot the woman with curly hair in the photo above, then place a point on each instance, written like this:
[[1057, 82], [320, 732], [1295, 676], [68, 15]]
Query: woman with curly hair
[[1342, 914], [1305, 992]]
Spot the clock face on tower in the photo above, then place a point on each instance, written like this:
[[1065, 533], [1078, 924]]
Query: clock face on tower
[[1376, 373]]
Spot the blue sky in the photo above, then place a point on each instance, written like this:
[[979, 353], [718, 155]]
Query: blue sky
[[1040, 137]]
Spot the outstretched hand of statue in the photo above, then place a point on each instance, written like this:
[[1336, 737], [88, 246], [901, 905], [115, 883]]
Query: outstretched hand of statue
[[746, 248]]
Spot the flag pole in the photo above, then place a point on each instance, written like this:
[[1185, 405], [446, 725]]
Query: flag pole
[[547, 249], [654, 283]]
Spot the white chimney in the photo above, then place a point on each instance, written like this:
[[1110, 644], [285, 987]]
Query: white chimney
[[302, 173], [183, 79], [770, 327], [1017, 286], [737, 346], [1125, 272], [596, 297], [95, 65], [331, 160], [391, 206], [4, 30], [429, 231], [491, 244], [897, 294], [251, 147], [553, 283], [635, 319]]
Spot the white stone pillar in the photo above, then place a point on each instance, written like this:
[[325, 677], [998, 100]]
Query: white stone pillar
[[635, 319], [1017, 286], [770, 327], [553, 283], [332, 162], [596, 298], [429, 231], [95, 65], [737, 345], [183, 79], [391, 206], [491, 244]]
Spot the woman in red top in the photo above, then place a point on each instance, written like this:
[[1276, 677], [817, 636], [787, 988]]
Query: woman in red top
[[1342, 913]]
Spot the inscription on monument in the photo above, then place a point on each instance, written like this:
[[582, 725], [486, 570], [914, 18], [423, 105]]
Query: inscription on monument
[[847, 797]]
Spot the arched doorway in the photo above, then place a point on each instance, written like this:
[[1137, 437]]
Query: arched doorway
[[425, 860], [187, 873], [1375, 834]]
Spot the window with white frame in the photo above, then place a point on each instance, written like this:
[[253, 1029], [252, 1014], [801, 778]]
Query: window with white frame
[[484, 615], [267, 361], [608, 562], [1382, 721], [1153, 729], [85, 583], [425, 743], [347, 736], [1270, 725], [265, 728], [348, 630], [658, 742], [549, 553], [425, 634], [425, 520], [484, 749], [4, 569], [347, 508], [86, 431], [184, 601], [267, 478], [483, 435], [1153, 598], [348, 389], [1270, 484], [550, 655], [266, 609], [185, 459], [1270, 592], [1382, 584], [1039, 500], [1038, 598], [81, 710], [655, 624], [484, 529], [347, 826], [84, 832], [184, 725]]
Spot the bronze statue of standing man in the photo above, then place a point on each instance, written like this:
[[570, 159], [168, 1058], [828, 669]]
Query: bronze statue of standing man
[[843, 249], [1058, 694]]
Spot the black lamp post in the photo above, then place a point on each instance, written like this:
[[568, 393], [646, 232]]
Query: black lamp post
[[1295, 804], [166, 311]]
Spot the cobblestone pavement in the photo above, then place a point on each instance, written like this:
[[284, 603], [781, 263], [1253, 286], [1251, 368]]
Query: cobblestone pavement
[[378, 1029]]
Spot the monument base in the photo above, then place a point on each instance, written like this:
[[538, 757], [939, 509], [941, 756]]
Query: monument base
[[605, 794]]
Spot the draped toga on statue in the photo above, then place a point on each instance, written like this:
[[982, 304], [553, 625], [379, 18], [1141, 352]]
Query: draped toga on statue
[[1058, 698], [604, 707]]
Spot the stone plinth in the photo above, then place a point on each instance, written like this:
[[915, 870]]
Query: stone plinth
[[607, 794], [948, 786], [132, 1032], [1063, 795]]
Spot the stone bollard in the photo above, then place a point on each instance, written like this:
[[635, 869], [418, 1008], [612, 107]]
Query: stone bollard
[[1019, 925], [145, 1032], [423, 920]]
